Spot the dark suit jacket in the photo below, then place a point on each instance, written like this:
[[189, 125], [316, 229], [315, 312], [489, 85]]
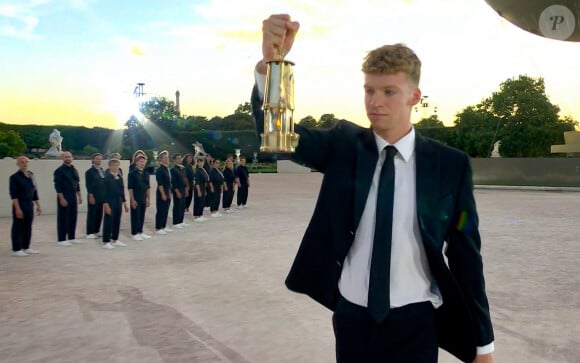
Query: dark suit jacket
[[347, 155]]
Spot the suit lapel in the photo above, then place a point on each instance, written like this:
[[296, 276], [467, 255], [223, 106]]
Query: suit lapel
[[427, 179], [366, 160]]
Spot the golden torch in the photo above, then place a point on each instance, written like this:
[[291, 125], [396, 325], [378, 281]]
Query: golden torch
[[278, 107]]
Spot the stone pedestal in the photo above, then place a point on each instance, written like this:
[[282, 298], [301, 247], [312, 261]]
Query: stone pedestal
[[571, 144]]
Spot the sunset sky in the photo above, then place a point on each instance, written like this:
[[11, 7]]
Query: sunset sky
[[77, 62]]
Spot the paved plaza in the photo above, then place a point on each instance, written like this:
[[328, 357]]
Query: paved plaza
[[214, 292]]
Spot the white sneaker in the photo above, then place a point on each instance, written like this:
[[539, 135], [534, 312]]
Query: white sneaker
[[108, 246], [203, 219], [216, 215], [178, 226], [30, 251], [20, 253], [64, 243], [160, 231], [185, 224], [119, 244], [137, 237], [76, 241], [145, 236], [228, 211], [91, 236], [199, 220], [240, 207], [168, 230]]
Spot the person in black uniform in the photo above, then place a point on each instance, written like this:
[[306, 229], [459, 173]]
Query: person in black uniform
[[24, 196], [208, 162], [66, 184], [163, 194], [229, 181], [117, 156], [216, 179], [113, 205], [243, 178], [180, 191], [95, 189], [189, 164], [201, 181], [133, 164], [138, 185]]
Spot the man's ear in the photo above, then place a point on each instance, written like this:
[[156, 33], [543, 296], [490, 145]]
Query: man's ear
[[416, 96]]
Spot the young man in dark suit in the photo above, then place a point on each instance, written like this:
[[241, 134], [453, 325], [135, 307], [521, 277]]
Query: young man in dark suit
[[376, 255]]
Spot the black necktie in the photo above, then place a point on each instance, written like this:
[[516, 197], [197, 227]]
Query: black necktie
[[379, 281]]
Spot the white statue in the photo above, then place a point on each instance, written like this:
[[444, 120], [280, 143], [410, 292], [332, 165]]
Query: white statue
[[495, 152], [56, 142]]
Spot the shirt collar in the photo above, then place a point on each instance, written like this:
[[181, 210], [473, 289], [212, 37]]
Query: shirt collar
[[405, 146]]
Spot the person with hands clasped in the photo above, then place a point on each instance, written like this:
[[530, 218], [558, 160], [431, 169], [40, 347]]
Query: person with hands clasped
[[113, 205]]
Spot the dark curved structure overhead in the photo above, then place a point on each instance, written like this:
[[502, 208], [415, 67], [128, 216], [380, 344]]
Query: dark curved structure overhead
[[555, 19]]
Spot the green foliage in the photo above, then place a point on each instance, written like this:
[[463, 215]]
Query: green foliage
[[89, 150], [431, 121], [309, 122], [475, 131], [519, 114], [162, 112], [327, 121], [11, 144], [245, 108]]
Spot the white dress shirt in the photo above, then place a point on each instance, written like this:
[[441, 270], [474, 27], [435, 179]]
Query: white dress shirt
[[410, 277]]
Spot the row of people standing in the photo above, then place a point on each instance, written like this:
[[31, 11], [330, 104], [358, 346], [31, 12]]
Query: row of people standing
[[212, 185], [183, 183]]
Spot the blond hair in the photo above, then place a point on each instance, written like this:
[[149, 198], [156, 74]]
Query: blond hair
[[395, 58]]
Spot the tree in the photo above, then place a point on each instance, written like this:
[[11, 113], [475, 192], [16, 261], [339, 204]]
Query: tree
[[431, 121], [327, 121], [162, 112], [475, 131], [308, 122], [89, 150], [11, 144], [244, 108], [520, 115]]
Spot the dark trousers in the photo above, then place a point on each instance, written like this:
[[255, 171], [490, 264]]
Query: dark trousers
[[198, 205], [178, 208], [207, 192], [242, 194], [66, 219], [407, 335], [94, 217], [112, 223], [162, 210], [189, 198], [138, 217], [228, 196], [21, 232], [214, 203]]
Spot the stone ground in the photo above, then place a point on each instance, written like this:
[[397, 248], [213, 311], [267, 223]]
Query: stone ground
[[214, 292]]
